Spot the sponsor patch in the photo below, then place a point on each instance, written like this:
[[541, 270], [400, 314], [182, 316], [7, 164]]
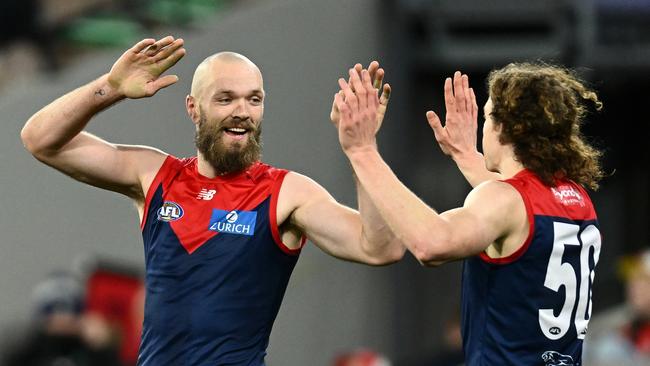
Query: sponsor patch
[[233, 222], [170, 211], [568, 196]]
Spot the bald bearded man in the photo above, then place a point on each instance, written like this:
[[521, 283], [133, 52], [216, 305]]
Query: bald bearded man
[[222, 231]]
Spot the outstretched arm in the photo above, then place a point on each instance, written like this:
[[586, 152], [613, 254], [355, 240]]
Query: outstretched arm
[[306, 207], [457, 138], [371, 219], [433, 238], [55, 134]]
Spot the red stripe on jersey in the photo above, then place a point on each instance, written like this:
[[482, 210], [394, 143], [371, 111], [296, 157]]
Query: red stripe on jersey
[[198, 195], [567, 199], [244, 191], [531, 229], [273, 217], [161, 176]]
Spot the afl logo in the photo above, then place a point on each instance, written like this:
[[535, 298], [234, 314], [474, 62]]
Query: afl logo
[[170, 211], [232, 217], [554, 330]]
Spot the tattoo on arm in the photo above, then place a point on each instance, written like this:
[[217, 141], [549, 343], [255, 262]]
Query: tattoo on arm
[[100, 93]]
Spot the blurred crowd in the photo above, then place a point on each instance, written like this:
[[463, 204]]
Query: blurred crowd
[[44, 36], [76, 320], [621, 335]]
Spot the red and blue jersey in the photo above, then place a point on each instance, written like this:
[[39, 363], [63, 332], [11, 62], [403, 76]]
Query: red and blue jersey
[[532, 307], [216, 268]]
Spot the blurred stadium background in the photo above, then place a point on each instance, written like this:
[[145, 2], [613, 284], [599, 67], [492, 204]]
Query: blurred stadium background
[[49, 47]]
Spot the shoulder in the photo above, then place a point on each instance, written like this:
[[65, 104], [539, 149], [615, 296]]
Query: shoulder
[[301, 187], [149, 163], [497, 204], [495, 193], [297, 194], [143, 157]]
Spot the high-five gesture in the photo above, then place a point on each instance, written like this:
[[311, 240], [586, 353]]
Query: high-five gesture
[[358, 108], [377, 77], [137, 73], [458, 136]]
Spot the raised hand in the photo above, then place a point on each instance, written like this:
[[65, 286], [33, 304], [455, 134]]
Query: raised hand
[[137, 73], [457, 138], [358, 107], [377, 77]]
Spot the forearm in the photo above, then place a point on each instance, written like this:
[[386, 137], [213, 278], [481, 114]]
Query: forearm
[[472, 166], [414, 224], [59, 122], [377, 239]]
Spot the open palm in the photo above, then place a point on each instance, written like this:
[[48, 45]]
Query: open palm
[[137, 73]]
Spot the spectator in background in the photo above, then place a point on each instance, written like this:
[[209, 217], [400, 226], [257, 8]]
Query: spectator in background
[[22, 20], [451, 353], [62, 334], [361, 357], [621, 336]]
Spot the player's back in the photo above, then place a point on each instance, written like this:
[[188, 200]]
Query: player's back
[[532, 308], [216, 270]]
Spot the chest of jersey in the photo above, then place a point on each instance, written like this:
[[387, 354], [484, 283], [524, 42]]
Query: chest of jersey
[[215, 274], [198, 211]]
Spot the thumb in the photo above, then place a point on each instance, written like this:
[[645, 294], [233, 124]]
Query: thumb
[[436, 125], [163, 82]]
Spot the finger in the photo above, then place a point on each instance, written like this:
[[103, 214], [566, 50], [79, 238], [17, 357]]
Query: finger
[[167, 51], [372, 69], [163, 82], [343, 108], [474, 108], [373, 100], [359, 90], [459, 94], [449, 97], [142, 45], [436, 125], [160, 44], [468, 97], [357, 67], [379, 78], [341, 95], [350, 97], [385, 95], [172, 59]]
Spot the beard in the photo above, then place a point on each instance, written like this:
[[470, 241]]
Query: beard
[[228, 159]]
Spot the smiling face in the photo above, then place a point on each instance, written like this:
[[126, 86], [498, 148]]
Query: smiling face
[[227, 106]]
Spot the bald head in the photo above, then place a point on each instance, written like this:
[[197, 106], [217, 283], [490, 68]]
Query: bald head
[[220, 65]]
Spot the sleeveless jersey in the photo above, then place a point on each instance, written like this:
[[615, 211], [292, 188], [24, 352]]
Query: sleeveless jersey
[[216, 268], [532, 308]]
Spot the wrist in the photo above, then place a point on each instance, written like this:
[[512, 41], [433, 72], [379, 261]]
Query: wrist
[[361, 154], [106, 92], [469, 159]]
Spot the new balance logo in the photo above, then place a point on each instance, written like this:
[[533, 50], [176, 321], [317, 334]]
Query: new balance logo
[[205, 194]]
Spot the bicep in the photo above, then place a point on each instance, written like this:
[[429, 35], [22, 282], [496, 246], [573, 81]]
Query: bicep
[[120, 168], [469, 234], [488, 215], [331, 226]]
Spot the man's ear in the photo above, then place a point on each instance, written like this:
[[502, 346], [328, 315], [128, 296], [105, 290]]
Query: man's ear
[[192, 107]]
